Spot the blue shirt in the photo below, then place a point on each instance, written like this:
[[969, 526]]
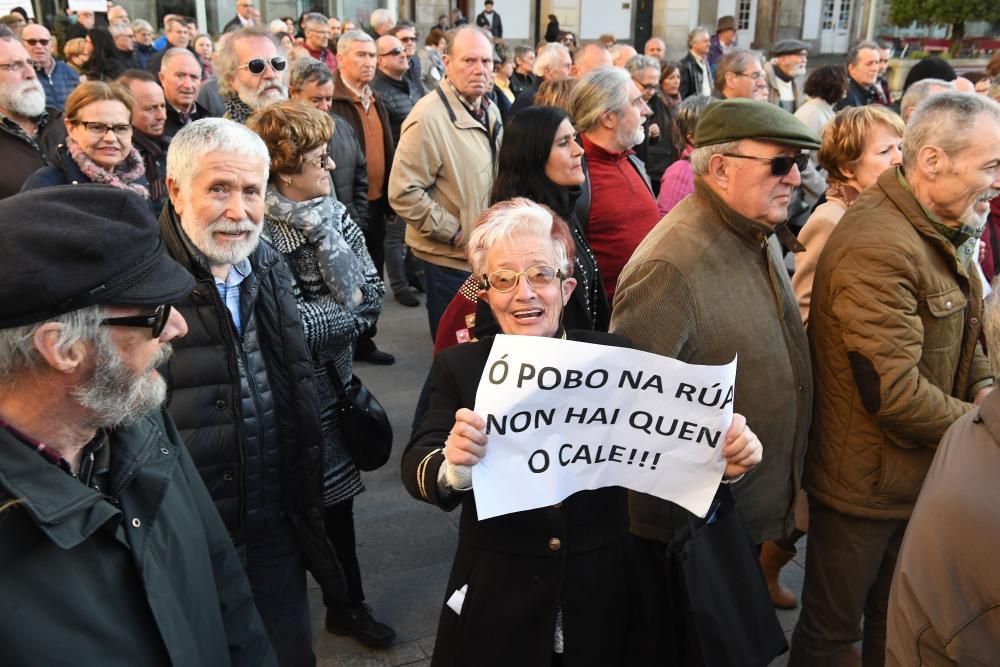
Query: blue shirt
[[59, 84], [229, 290]]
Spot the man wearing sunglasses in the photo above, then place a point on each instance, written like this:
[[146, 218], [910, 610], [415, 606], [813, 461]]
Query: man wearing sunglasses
[[107, 533], [241, 383], [57, 78], [251, 71], [709, 282]]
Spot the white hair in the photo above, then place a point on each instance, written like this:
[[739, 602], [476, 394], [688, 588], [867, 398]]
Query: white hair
[[502, 221], [920, 91], [348, 38], [945, 120], [210, 135], [380, 17], [549, 57], [700, 157], [18, 353]]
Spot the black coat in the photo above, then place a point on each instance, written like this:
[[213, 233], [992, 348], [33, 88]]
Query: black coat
[[21, 159], [517, 575], [204, 397], [142, 575], [62, 169], [658, 154], [398, 98], [483, 22], [174, 124], [350, 178], [856, 96], [692, 76]]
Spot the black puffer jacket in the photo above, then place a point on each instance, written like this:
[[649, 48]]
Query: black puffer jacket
[[350, 178], [206, 395]]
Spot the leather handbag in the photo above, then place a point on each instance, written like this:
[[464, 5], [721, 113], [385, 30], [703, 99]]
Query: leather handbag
[[731, 613], [364, 424]]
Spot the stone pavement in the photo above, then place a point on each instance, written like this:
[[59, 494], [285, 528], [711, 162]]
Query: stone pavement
[[405, 547]]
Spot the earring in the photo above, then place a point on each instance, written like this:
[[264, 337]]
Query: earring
[[286, 181]]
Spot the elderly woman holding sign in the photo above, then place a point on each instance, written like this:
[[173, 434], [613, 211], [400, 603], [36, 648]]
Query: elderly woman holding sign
[[545, 586]]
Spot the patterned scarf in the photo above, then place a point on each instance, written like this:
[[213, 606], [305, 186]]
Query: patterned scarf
[[841, 191], [342, 270], [129, 170], [236, 110]]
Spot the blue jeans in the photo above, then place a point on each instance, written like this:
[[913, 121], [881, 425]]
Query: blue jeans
[[442, 284], [277, 574]]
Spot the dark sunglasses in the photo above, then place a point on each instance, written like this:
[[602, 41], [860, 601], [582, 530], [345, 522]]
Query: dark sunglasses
[[780, 165], [393, 52], [258, 65], [156, 320], [36, 42]]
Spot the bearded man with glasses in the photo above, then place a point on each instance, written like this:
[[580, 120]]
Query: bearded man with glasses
[[242, 390], [107, 533], [708, 283], [252, 72]]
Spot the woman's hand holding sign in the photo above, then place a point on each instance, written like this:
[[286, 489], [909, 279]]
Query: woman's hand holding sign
[[463, 448], [742, 450]]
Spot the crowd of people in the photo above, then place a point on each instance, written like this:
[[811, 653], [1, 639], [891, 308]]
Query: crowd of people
[[200, 231]]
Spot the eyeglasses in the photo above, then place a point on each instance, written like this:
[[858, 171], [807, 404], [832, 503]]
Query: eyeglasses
[[100, 129], [398, 51], [258, 65], [647, 86], [321, 161], [406, 40], [156, 320], [505, 280], [18, 65], [756, 76], [780, 165], [36, 42]]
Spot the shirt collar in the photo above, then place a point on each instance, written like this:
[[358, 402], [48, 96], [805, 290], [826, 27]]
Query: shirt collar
[[237, 274], [956, 236]]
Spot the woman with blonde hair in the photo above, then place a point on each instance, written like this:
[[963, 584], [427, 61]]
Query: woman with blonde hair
[[76, 54], [98, 147], [339, 295], [555, 94]]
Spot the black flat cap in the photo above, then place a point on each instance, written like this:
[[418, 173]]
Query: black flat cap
[[788, 46], [73, 246]]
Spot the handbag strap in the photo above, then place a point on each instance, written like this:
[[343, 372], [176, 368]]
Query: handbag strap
[[338, 384]]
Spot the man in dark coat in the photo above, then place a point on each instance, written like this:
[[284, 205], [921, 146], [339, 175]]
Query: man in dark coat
[[243, 18], [355, 101], [180, 77], [241, 384], [29, 132], [57, 78], [862, 71], [110, 548], [696, 77], [490, 20], [177, 38], [149, 116]]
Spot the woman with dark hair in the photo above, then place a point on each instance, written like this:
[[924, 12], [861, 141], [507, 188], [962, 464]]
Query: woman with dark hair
[[824, 88], [552, 29], [670, 84], [104, 63], [540, 160]]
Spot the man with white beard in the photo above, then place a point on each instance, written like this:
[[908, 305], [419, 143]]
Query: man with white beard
[[107, 533], [25, 123], [609, 111], [251, 71], [782, 73], [241, 383]]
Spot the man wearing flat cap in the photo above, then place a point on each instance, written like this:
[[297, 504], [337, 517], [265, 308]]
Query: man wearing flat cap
[[708, 283], [722, 41], [894, 326], [782, 74], [241, 383], [111, 551]]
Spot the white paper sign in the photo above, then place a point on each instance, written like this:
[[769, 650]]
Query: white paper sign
[[88, 5], [564, 416]]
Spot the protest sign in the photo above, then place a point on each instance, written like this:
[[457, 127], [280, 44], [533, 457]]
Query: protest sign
[[564, 416]]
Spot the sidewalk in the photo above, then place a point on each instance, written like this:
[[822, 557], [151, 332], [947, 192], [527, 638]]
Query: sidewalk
[[405, 547]]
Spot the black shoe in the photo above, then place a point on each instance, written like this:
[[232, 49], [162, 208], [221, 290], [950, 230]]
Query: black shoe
[[375, 356], [359, 623], [417, 284], [407, 298]]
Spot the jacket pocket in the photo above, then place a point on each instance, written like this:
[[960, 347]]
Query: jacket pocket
[[902, 474], [944, 320]]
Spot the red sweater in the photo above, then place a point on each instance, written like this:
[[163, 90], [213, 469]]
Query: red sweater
[[622, 211]]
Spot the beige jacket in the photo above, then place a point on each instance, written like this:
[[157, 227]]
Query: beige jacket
[[442, 174], [944, 608]]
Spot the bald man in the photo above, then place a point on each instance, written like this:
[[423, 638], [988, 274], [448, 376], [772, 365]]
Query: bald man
[[590, 56], [655, 48]]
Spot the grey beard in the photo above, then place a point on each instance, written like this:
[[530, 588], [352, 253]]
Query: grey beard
[[27, 103]]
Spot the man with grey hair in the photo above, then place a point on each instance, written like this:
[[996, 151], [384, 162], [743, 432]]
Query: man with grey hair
[[552, 63], [117, 14], [657, 149], [180, 77], [696, 77], [524, 70], [942, 606], [98, 494], [28, 130], [709, 282], [608, 109], [124, 40], [655, 48], [244, 16], [144, 49], [241, 383], [862, 71], [920, 91], [381, 22], [317, 40], [177, 37], [444, 166], [740, 73], [621, 54], [893, 329], [355, 101], [251, 71]]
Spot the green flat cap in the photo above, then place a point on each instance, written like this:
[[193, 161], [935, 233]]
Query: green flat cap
[[732, 120]]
